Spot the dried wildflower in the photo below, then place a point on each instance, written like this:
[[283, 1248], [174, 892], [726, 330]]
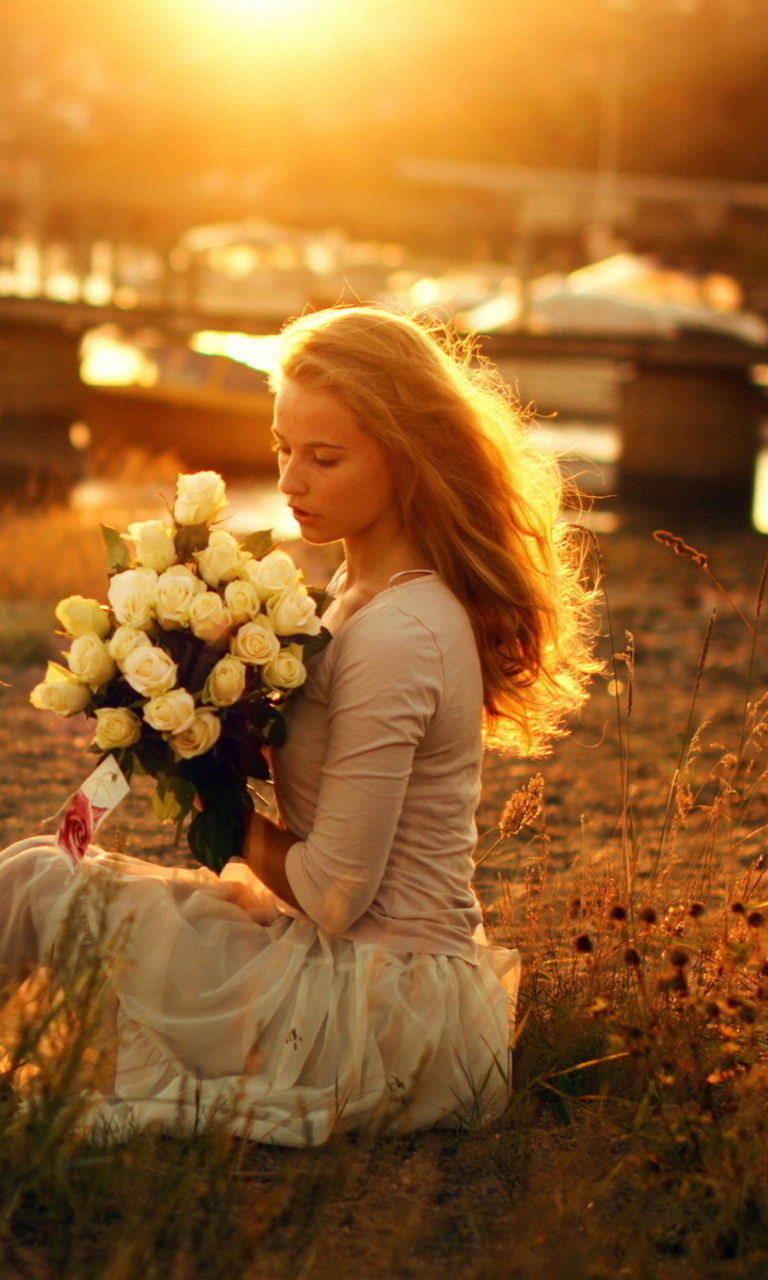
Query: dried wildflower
[[618, 912], [763, 970], [755, 919], [738, 908], [696, 910], [678, 958], [583, 944], [648, 915], [632, 957], [523, 807], [681, 548]]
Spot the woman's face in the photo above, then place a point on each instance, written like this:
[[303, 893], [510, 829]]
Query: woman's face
[[335, 476]]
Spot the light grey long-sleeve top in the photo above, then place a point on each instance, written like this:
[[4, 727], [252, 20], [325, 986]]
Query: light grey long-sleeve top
[[380, 775]]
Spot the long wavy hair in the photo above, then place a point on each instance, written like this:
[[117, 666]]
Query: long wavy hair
[[478, 501]]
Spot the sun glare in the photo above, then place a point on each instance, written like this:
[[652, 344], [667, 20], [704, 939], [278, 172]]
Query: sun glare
[[272, 11]]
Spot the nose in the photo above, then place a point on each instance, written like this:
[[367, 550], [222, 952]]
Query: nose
[[291, 477]]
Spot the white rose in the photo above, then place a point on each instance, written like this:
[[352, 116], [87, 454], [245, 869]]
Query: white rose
[[209, 617], [199, 737], [273, 574], [62, 696], [118, 727], [223, 559], [241, 600], [170, 712], [123, 641], [78, 615], [132, 597], [89, 660], [255, 642], [154, 544], [286, 671], [150, 671], [199, 498], [293, 612], [226, 682], [176, 589]]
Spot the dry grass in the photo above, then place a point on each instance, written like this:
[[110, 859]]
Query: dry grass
[[636, 1141]]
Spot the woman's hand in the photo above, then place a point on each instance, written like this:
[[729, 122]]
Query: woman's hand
[[265, 850]]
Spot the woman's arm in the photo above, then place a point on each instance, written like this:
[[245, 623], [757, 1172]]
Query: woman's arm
[[385, 689], [266, 846]]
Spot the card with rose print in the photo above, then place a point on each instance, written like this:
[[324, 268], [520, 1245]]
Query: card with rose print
[[187, 666], [96, 798]]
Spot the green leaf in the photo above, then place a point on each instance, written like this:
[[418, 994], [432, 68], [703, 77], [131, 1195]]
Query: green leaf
[[274, 730], [153, 754], [172, 799], [321, 599], [258, 543], [190, 538], [55, 672], [314, 644], [118, 555], [217, 833]]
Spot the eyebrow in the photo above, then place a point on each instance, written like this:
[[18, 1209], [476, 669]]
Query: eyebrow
[[314, 444]]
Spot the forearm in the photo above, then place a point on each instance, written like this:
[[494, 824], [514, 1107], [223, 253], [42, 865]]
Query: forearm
[[266, 847]]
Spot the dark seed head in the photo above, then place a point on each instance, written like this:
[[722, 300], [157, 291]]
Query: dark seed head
[[678, 958], [632, 957], [618, 912], [696, 910], [755, 919], [738, 908], [583, 944], [648, 915]]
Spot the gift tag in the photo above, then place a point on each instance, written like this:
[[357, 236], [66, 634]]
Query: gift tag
[[101, 792]]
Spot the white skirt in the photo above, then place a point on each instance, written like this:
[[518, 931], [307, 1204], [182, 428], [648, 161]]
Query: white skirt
[[226, 1008]]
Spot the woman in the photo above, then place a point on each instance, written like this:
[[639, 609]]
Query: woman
[[337, 977]]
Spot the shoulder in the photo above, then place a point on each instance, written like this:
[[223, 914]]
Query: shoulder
[[420, 611]]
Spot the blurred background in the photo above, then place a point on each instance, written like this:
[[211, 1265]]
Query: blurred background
[[583, 186]]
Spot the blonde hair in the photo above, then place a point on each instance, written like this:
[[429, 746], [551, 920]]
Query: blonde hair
[[477, 500]]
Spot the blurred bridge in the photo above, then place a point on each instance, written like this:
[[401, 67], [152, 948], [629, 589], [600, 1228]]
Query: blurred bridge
[[688, 409]]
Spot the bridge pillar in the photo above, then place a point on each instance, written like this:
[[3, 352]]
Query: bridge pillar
[[41, 395], [689, 439]]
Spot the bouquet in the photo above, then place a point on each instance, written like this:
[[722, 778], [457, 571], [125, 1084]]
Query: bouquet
[[186, 669]]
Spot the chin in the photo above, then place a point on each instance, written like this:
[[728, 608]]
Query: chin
[[317, 539]]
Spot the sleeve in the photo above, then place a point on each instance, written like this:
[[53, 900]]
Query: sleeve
[[386, 689]]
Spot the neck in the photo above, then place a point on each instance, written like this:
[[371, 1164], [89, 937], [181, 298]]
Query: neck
[[371, 563]]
